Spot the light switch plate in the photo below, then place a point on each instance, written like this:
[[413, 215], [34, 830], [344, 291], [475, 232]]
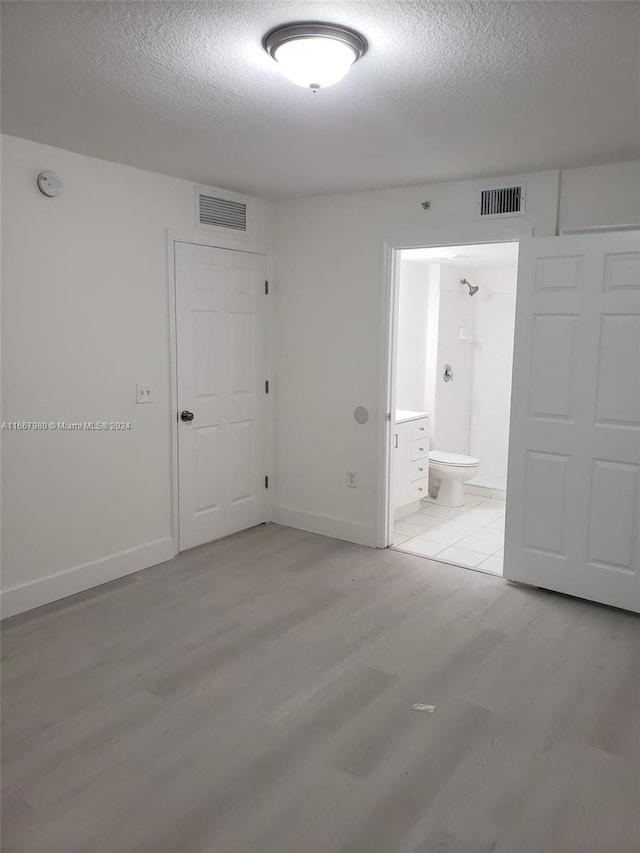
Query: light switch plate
[[144, 393]]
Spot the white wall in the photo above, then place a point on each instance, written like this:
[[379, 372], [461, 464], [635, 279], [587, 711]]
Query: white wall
[[85, 317], [453, 399], [413, 319], [600, 195], [330, 326], [417, 335], [330, 334], [433, 331], [495, 305]]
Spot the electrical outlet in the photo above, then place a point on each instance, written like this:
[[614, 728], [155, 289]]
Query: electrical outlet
[[144, 393], [352, 480]]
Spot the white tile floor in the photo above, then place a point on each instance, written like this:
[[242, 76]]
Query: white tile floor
[[471, 536]]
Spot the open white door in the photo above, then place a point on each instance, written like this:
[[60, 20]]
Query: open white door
[[220, 321], [573, 490]]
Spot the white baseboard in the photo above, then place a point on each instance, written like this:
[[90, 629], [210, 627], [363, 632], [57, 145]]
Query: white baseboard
[[44, 590], [485, 492], [480, 491], [326, 525], [408, 509]]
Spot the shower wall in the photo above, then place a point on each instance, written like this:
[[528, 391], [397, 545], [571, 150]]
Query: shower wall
[[495, 305], [453, 399]]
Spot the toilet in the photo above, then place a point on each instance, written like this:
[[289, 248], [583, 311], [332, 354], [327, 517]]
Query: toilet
[[452, 470]]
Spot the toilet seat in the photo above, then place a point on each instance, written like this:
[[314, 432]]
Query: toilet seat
[[455, 460]]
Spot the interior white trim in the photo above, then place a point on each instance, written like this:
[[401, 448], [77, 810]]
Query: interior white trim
[[270, 359], [388, 310], [218, 241], [173, 385], [80, 578], [598, 229], [495, 231], [326, 525]]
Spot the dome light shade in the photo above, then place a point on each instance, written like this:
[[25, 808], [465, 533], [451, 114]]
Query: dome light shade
[[314, 62], [314, 55]]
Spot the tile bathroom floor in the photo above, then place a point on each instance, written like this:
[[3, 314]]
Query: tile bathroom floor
[[471, 535]]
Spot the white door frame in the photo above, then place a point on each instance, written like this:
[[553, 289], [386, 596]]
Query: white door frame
[[498, 231], [214, 241]]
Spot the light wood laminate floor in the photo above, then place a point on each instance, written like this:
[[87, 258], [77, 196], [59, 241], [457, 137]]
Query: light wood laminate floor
[[254, 696]]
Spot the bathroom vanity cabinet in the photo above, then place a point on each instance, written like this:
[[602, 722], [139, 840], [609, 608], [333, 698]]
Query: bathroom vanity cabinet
[[409, 458]]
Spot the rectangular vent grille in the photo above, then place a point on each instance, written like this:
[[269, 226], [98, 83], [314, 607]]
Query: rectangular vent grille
[[506, 201], [222, 212]]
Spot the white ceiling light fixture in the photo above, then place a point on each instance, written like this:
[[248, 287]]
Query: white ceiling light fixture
[[314, 55]]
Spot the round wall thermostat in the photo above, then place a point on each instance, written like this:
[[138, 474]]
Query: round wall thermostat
[[49, 184]]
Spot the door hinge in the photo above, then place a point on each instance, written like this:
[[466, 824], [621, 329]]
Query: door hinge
[[266, 288], [266, 482], [266, 387]]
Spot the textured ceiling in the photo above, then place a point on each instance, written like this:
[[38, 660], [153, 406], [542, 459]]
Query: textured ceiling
[[448, 90]]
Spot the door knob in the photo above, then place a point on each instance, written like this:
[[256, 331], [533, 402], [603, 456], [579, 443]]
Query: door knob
[[186, 416]]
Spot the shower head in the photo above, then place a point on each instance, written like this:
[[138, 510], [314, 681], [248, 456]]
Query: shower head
[[473, 288]]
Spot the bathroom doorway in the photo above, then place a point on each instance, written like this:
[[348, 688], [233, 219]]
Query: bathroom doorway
[[453, 332]]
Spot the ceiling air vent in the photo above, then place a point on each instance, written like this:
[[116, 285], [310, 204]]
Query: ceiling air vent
[[501, 201], [218, 212]]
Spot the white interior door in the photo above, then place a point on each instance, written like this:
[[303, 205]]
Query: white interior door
[[573, 491], [220, 321]]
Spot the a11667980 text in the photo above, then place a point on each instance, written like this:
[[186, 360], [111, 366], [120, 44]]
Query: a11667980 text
[[65, 426]]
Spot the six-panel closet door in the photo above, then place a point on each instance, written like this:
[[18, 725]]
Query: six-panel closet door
[[573, 491], [220, 326]]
